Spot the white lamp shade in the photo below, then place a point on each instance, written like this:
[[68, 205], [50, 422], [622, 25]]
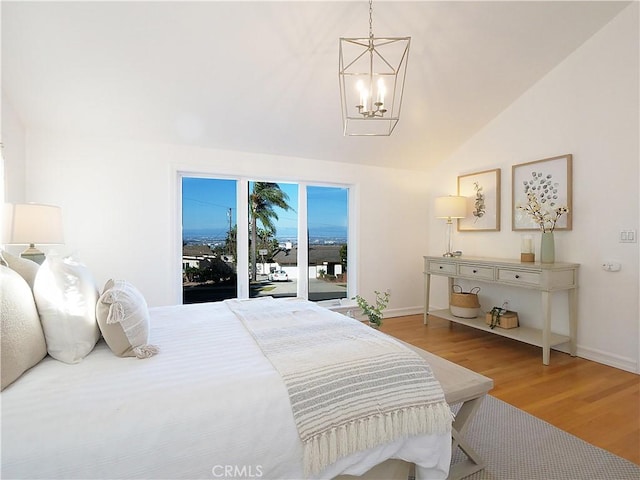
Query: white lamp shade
[[450, 207], [33, 223]]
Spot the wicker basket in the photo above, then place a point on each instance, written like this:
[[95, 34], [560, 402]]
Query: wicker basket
[[464, 304]]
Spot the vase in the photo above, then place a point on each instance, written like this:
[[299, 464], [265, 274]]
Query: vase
[[547, 248]]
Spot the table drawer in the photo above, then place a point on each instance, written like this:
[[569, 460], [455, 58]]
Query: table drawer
[[518, 276], [483, 273], [442, 268]]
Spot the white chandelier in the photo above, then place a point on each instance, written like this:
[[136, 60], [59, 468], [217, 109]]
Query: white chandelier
[[372, 73]]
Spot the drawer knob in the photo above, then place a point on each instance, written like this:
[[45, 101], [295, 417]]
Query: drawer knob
[[475, 271], [440, 267], [517, 276]]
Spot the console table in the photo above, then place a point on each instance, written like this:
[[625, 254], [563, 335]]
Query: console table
[[543, 277]]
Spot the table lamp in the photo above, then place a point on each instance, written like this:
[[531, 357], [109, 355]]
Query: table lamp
[[450, 207], [31, 224]]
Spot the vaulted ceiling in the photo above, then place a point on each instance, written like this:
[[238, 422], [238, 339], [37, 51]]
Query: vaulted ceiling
[[262, 76]]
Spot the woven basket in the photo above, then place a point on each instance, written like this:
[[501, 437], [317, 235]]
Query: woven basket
[[464, 304]]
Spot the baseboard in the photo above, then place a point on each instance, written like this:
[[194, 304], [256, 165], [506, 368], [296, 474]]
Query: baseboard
[[606, 358], [401, 312]]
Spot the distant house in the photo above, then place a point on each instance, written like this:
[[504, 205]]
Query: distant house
[[196, 256], [209, 266], [323, 260]]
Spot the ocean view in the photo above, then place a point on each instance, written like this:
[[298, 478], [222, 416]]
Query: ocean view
[[322, 236]]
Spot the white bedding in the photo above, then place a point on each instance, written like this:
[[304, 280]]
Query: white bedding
[[209, 405]]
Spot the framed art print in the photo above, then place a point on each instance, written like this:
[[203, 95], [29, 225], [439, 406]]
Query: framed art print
[[550, 181], [482, 190]]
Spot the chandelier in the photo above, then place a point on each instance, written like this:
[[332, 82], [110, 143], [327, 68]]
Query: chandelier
[[372, 73]]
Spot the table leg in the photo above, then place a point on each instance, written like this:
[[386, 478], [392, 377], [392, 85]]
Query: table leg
[[427, 290], [573, 321], [546, 327]]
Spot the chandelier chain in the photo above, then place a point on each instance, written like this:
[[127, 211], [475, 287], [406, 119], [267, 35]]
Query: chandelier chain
[[370, 18]]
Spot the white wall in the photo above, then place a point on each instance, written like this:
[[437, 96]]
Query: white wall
[[587, 106], [13, 140], [119, 201]]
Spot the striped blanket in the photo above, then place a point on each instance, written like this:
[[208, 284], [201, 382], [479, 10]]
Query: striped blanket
[[351, 387]]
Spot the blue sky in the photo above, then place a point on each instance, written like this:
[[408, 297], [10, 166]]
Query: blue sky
[[206, 203]]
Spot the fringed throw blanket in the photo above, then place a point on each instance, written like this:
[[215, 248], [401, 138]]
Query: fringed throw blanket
[[351, 387]]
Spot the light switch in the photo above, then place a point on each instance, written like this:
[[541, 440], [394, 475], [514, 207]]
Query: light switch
[[628, 236]]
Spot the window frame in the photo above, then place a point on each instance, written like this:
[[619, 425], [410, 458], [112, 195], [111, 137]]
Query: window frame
[[242, 218]]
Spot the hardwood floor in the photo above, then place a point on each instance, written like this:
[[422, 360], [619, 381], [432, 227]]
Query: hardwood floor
[[597, 403]]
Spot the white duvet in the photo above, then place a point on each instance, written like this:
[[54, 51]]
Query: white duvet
[[209, 405]]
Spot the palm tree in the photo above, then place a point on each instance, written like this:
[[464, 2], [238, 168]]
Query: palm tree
[[262, 200]]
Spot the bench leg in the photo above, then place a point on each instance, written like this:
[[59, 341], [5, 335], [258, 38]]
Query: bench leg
[[473, 463]]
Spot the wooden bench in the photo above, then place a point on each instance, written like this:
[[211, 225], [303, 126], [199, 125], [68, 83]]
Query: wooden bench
[[460, 386]]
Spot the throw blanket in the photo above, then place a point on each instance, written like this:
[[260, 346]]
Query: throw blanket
[[351, 387]]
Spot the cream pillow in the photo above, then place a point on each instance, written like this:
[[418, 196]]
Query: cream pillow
[[66, 297], [23, 344], [26, 268], [124, 321]]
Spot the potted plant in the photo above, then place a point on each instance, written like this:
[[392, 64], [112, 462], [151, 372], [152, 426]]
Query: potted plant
[[374, 311]]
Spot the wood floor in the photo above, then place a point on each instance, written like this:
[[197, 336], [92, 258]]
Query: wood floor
[[597, 403]]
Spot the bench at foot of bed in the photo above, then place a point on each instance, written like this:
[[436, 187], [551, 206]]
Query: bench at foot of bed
[[461, 386]]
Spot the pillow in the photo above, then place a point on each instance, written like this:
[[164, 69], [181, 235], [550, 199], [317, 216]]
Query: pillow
[[23, 344], [66, 297], [123, 318], [26, 268]]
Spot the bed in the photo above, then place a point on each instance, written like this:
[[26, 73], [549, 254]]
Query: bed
[[211, 403]]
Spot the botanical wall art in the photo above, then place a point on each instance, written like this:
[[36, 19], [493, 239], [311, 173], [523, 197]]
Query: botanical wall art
[[541, 194], [482, 190]]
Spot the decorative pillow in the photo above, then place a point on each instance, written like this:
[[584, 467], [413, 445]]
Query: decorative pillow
[[26, 268], [124, 321], [66, 297], [23, 344]]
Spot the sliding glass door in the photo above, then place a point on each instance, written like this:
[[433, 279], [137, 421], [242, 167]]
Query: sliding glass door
[[273, 239]]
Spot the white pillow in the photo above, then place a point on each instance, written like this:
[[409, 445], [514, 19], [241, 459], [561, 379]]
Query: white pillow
[[124, 321], [26, 268], [66, 296], [23, 344]]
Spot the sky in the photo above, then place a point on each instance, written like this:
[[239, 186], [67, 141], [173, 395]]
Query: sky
[[206, 204]]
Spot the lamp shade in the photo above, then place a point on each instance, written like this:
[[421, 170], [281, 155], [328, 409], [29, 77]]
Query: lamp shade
[[33, 223], [450, 207]]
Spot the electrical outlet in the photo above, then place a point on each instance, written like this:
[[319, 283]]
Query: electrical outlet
[[611, 266]]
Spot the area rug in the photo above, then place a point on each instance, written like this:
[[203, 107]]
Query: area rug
[[519, 446]]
